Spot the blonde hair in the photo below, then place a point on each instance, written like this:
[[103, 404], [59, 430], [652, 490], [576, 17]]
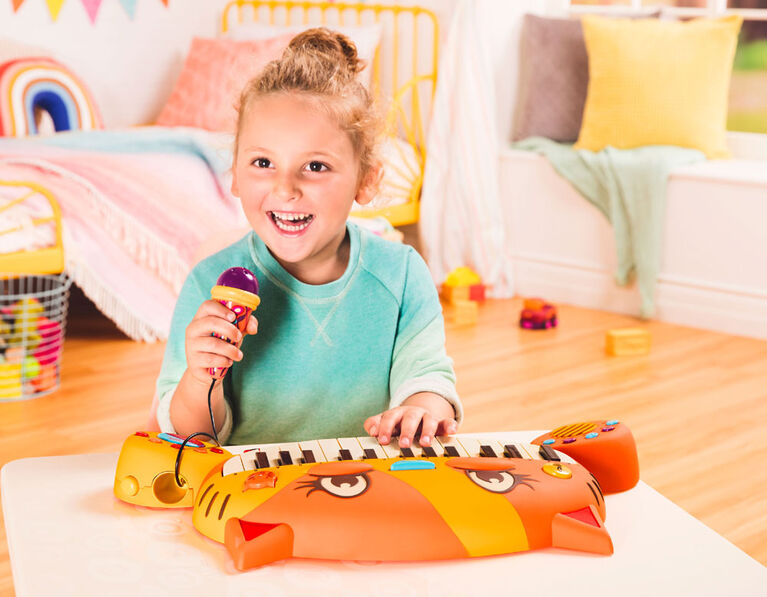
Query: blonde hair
[[324, 64]]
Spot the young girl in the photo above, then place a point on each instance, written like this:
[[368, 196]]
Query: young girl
[[350, 328]]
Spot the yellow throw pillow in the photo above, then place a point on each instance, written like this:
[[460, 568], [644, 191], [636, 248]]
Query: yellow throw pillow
[[657, 82]]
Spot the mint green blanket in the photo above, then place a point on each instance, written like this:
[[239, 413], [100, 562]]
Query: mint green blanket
[[629, 187]]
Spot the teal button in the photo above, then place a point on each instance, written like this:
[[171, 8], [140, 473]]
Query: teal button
[[411, 465], [612, 422], [591, 435], [548, 442], [175, 439]]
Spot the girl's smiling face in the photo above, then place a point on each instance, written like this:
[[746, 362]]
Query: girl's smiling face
[[297, 175]]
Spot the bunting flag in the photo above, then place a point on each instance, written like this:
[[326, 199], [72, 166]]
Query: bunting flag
[[92, 8], [130, 7], [54, 6]]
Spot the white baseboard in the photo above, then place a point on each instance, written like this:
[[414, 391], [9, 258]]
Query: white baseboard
[[735, 311]]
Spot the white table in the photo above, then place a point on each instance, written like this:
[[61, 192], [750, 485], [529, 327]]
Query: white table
[[69, 536]]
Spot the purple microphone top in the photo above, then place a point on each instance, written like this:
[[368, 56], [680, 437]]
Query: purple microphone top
[[239, 277]]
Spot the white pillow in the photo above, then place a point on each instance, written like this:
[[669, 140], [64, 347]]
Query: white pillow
[[365, 37]]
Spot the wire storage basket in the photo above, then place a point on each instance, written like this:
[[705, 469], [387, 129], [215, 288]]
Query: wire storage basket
[[33, 312]]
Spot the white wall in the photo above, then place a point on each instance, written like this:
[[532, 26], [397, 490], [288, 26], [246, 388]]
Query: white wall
[[129, 65]]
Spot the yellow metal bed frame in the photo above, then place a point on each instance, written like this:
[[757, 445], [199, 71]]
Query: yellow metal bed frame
[[403, 82], [49, 260]]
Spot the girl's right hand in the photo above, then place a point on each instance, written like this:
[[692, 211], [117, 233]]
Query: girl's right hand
[[205, 351]]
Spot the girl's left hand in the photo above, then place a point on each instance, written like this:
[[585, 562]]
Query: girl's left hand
[[408, 421]]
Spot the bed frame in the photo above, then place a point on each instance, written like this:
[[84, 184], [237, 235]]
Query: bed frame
[[404, 71]]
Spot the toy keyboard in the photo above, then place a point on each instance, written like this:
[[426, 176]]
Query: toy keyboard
[[461, 497]]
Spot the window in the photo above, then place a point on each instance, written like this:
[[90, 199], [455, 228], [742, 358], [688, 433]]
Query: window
[[748, 87]]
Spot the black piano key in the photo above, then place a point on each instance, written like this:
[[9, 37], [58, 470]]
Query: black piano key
[[406, 453], [370, 453], [451, 451], [429, 452], [511, 451], [487, 451], [285, 457], [261, 460], [308, 456], [548, 454], [345, 454]]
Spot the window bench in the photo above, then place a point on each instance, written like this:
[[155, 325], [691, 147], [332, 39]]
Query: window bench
[[713, 271]]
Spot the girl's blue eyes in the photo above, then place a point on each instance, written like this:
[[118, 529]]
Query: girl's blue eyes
[[312, 166]]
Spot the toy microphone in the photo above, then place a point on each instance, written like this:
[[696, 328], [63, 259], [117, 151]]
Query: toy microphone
[[237, 289]]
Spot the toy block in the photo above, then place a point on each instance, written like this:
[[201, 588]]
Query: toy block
[[627, 342], [477, 292], [465, 312], [454, 294]]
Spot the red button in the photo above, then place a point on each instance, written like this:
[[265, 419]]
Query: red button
[[217, 450], [142, 434], [176, 446]]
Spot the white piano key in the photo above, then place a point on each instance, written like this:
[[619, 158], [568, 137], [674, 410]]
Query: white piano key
[[523, 453], [249, 459], [273, 454], [314, 446], [331, 448], [449, 440], [367, 442], [294, 450], [233, 465], [435, 445], [353, 445], [392, 448], [471, 445]]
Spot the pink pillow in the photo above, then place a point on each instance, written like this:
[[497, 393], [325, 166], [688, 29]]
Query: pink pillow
[[214, 74]]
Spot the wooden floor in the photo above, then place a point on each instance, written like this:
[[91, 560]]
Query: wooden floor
[[697, 404]]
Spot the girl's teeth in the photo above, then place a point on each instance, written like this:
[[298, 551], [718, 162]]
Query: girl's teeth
[[292, 222]]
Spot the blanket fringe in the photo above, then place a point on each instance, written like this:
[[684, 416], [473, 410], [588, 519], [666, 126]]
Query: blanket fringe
[[111, 305]]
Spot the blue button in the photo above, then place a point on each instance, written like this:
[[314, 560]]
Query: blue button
[[548, 442], [591, 435], [612, 422], [412, 465], [175, 439]]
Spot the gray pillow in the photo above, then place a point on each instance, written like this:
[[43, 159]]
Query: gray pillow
[[553, 79]]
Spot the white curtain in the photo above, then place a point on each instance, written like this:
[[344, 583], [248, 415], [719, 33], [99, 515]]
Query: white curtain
[[461, 222]]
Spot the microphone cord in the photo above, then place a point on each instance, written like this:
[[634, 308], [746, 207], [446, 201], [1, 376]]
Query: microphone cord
[[214, 437]]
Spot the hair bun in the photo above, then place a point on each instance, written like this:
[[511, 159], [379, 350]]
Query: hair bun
[[330, 47]]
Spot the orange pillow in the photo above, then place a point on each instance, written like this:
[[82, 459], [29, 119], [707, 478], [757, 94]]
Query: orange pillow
[[214, 74]]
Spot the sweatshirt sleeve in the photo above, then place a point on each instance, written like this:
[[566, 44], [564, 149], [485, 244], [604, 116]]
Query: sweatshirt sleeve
[[420, 362]]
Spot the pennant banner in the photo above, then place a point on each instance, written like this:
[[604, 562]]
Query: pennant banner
[[54, 6], [91, 7], [130, 7]]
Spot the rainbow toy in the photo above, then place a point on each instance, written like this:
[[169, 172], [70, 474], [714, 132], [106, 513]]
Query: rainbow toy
[[29, 84]]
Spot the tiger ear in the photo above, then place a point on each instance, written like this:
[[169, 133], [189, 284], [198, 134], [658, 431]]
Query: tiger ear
[[581, 530]]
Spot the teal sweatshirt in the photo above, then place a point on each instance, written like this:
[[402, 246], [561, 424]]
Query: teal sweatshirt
[[326, 356]]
